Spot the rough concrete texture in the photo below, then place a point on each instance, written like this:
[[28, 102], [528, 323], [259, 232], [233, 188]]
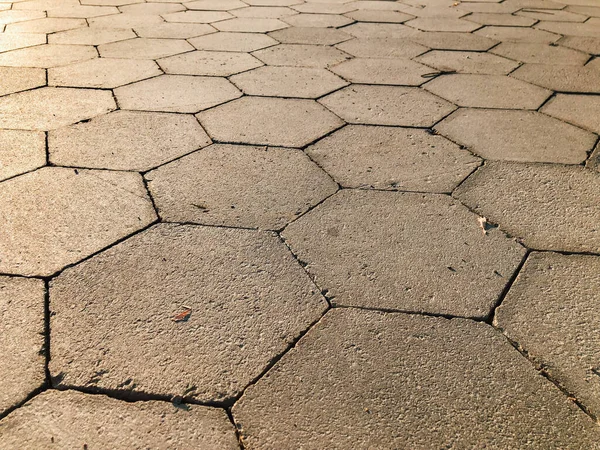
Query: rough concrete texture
[[20, 152], [550, 312], [22, 353], [404, 251], [468, 62], [363, 379], [73, 419], [580, 110], [233, 185], [247, 296], [516, 196]]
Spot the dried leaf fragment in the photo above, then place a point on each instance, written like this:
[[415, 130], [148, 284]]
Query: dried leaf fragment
[[183, 316]]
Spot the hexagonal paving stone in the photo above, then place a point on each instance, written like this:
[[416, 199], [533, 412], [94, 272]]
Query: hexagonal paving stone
[[468, 62], [15, 79], [215, 5], [387, 105], [125, 21], [14, 16], [404, 251], [234, 185], [15, 41], [552, 15], [22, 354], [323, 8], [233, 42], [391, 378], [126, 140], [174, 30], [560, 78], [442, 24], [551, 311], [45, 56], [273, 2], [379, 16], [269, 121], [20, 152], [301, 55], [517, 136], [264, 12], [197, 16], [46, 25], [152, 8], [439, 40], [488, 91], [383, 71], [301, 82], [315, 36], [540, 53], [380, 31], [73, 419], [176, 93], [585, 44], [49, 108], [54, 217], [588, 29], [81, 12], [209, 63], [517, 197], [500, 19], [317, 20], [103, 73], [91, 36], [392, 158], [382, 48], [250, 25], [517, 34], [580, 110], [142, 48], [250, 301]]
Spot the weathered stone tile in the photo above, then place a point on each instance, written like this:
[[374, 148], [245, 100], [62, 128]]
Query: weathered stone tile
[[501, 19], [387, 105], [560, 78], [517, 34], [272, 2], [323, 8], [49, 108], [588, 29], [517, 136], [536, 4], [380, 31], [152, 8], [42, 5], [552, 15], [442, 24], [46, 25], [103, 73], [251, 300], [277, 185], [20, 152], [548, 206], [202, 62], [580, 110], [197, 16], [431, 10], [593, 11], [300, 82], [301, 55], [317, 20], [468, 62], [174, 30], [593, 162], [54, 216], [316, 36], [14, 16], [383, 71], [45, 56], [15, 79], [383, 5], [382, 48], [540, 53], [233, 42], [110, 2], [351, 243], [125, 140], [81, 12], [15, 41], [176, 93], [215, 5], [91, 36], [379, 16], [585, 44], [125, 20], [389, 378], [550, 312], [269, 121], [488, 91], [264, 12], [250, 25], [72, 419], [392, 158], [487, 8], [454, 41], [142, 48], [22, 354]]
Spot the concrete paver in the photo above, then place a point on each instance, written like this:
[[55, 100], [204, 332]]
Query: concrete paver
[[540, 53], [232, 42], [300, 55], [21, 151], [90, 36], [382, 71], [560, 77], [216, 64], [580, 110], [468, 62], [45, 56], [16, 79], [316, 36], [382, 48]]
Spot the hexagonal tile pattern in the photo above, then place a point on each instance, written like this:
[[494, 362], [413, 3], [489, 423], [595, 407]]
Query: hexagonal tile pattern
[[380, 31], [105, 73], [22, 354], [439, 40], [516, 196], [315, 36], [16, 79], [382, 48], [488, 91], [15, 41], [383, 71], [215, 5], [20, 152], [584, 44], [151, 8], [251, 300], [379, 16], [46, 25], [540, 53], [45, 56], [176, 93], [447, 265], [468, 62], [517, 34], [301, 55], [442, 24], [81, 12], [49, 108], [550, 311], [580, 110], [588, 29], [197, 16], [233, 42], [264, 12], [387, 105], [209, 63], [301, 82], [552, 15], [91, 36], [54, 217], [126, 140], [250, 25], [142, 48], [392, 158], [517, 136], [560, 78], [73, 419], [501, 19], [233, 185], [388, 378], [126, 21], [317, 20], [174, 30], [269, 121]]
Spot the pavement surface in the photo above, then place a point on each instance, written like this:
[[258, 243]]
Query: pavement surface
[[289, 224]]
